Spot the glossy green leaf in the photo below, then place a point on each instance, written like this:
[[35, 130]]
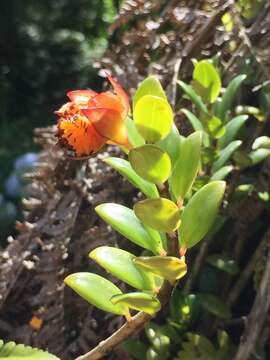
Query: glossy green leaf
[[133, 135], [207, 76], [97, 291], [125, 169], [262, 142], [151, 163], [197, 125], [232, 129], [224, 263], [229, 95], [259, 155], [193, 96], [222, 173], [153, 118], [187, 166], [12, 351], [161, 214], [215, 306], [216, 127], [123, 220], [167, 267], [200, 213], [171, 144], [194, 121], [138, 301], [115, 260], [149, 86], [225, 154]]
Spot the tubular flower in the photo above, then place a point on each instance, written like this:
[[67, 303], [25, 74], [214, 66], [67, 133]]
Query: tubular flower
[[90, 120]]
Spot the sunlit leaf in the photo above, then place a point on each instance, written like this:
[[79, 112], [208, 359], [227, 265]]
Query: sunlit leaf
[[224, 263], [161, 214], [207, 76], [229, 96], [216, 127], [97, 291], [123, 220], [151, 163], [225, 154], [193, 96], [12, 351], [259, 155], [138, 301], [222, 173], [200, 213], [125, 169], [215, 306], [187, 166], [232, 129], [115, 260], [167, 267], [149, 86], [153, 118], [261, 142]]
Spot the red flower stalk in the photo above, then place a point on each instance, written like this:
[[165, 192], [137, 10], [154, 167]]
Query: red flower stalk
[[92, 119]]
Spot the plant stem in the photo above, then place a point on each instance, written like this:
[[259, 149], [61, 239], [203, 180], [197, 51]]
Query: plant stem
[[136, 323]]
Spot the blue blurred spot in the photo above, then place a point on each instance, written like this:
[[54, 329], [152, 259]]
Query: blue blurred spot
[[13, 186], [25, 161]]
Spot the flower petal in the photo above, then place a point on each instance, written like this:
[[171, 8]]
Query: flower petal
[[107, 100], [80, 135], [108, 123], [81, 96], [120, 92]]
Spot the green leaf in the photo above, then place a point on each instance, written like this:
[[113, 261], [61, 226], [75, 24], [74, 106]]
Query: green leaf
[[167, 267], [97, 291], [160, 214], [216, 127], [224, 263], [262, 142], [229, 95], [137, 349], [193, 96], [133, 135], [151, 163], [200, 213], [232, 129], [259, 155], [207, 76], [194, 121], [187, 166], [115, 260], [125, 169], [197, 347], [153, 118], [222, 173], [123, 220], [171, 144], [149, 86], [12, 351], [225, 154], [183, 308], [215, 306], [138, 301]]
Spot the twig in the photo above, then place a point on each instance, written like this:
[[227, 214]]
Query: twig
[[104, 347], [245, 275], [257, 317]]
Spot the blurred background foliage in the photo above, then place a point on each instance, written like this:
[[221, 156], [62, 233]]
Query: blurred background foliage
[[48, 47]]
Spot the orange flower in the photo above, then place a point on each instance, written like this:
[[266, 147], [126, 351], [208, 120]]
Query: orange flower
[[90, 119]]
